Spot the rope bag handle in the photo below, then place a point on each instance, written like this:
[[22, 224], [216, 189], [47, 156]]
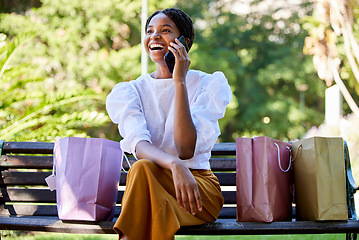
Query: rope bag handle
[[279, 162], [296, 155], [128, 162]]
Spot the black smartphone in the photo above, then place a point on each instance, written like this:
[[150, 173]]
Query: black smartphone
[[170, 58]]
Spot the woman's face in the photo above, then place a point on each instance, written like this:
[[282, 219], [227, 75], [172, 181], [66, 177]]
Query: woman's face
[[161, 31]]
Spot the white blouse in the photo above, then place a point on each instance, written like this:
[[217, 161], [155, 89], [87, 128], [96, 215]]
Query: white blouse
[[144, 110]]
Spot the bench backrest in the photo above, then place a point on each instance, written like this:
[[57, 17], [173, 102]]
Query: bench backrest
[[25, 165]]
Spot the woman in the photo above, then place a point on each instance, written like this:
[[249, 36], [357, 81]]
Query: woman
[[170, 122]]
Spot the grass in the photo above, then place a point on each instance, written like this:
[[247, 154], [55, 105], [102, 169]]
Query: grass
[[62, 236]]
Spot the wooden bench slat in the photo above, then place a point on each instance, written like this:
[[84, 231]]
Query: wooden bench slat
[[229, 197], [26, 162], [226, 179], [45, 162], [28, 210], [51, 210], [224, 149], [223, 164], [34, 195], [28, 147], [12, 178], [24, 178], [46, 196], [228, 212], [47, 147], [27, 195], [220, 227], [53, 224], [35, 162], [231, 227]]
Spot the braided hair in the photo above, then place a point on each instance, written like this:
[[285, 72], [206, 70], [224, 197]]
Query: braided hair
[[181, 19]]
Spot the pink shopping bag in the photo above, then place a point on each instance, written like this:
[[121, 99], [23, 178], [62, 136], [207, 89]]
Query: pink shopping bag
[[263, 179], [88, 172]]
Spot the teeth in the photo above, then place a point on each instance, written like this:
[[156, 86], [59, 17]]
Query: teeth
[[152, 46]]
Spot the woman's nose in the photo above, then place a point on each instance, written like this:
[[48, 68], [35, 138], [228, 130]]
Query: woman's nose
[[155, 35]]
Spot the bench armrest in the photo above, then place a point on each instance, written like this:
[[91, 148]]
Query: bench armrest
[[351, 186]]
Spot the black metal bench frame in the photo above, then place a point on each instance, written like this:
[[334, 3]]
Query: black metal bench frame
[[26, 203]]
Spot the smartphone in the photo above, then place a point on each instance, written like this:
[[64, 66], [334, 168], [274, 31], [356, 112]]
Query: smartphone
[[170, 58]]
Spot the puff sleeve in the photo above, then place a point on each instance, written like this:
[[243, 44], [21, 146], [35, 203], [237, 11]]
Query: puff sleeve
[[209, 106], [124, 108]]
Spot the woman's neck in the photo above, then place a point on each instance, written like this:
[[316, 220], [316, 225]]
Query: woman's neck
[[161, 72]]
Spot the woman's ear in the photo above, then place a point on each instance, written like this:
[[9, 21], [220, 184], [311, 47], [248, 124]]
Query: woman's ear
[[187, 41]]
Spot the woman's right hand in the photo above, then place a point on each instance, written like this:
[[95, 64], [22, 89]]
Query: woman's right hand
[[187, 193], [182, 61]]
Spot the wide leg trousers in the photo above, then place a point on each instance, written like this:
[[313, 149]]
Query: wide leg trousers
[[149, 209]]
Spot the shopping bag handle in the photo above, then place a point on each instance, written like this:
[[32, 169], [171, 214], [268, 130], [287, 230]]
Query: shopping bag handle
[[296, 155], [128, 162], [279, 163]]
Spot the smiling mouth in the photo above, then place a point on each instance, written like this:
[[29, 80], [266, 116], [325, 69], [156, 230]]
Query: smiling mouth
[[156, 47]]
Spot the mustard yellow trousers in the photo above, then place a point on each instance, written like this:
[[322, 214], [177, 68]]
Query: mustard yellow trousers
[[149, 209]]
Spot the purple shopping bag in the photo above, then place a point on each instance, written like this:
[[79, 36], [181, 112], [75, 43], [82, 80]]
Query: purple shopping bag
[[263, 179], [87, 177]]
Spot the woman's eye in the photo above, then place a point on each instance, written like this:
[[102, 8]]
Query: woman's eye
[[149, 31], [165, 30]]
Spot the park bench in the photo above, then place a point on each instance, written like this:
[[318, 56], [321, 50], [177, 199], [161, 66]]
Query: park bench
[[27, 204]]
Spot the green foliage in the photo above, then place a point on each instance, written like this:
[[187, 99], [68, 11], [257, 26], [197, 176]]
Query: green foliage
[[81, 49], [272, 80], [326, 40], [32, 107]]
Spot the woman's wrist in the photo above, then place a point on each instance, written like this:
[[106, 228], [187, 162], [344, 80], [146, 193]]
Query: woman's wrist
[[180, 82], [174, 163]]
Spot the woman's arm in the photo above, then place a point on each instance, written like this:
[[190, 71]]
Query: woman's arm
[[185, 134], [187, 193]]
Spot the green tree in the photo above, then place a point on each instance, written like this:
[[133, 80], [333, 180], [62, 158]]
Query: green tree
[[31, 107], [85, 47], [332, 40], [82, 48], [276, 92]]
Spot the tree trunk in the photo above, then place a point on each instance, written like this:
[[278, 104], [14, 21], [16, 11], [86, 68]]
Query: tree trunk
[[348, 98]]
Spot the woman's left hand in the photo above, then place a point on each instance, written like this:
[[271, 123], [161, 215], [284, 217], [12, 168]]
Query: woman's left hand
[[182, 61]]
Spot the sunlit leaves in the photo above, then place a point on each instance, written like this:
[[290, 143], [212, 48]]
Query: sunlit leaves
[[79, 51], [260, 53], [31, 109]]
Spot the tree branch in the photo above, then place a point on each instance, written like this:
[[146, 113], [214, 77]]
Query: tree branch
[[348, 98]]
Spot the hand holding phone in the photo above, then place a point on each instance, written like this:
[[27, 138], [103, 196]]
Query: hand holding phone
[[170, 58]]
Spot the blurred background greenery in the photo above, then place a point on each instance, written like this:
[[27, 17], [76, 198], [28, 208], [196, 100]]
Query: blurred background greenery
[[60, 58]]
